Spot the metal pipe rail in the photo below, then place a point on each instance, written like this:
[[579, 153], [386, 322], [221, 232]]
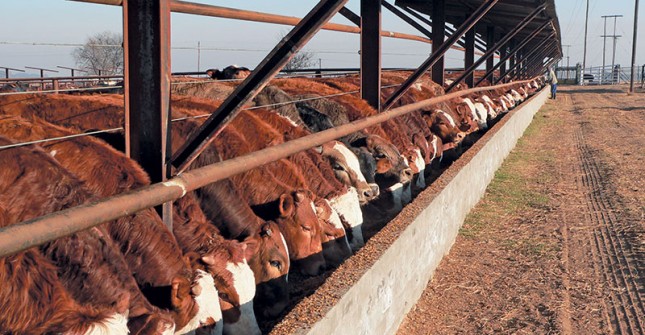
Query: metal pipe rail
[[47, 228], [178, 6]]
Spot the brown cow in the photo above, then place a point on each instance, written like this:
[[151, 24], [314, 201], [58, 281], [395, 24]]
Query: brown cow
[[106, 111], [88, 262], [156, 260], [36, 302]]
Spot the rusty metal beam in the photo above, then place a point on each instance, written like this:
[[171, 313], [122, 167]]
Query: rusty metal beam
[[371, 52], [348, 14], [47, 228], [498, 46], [449, 30], [253, 84], [406, 18], [490, 49], [470, 22], [146, 27], [438, 37], [515, 50], [538, 48], [177, 6], [469, 57]]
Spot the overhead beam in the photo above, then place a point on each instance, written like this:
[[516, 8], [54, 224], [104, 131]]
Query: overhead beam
[[441, 50], [498, 46], [253, 84], [371, 52], [515, 50], [177, 6], [146, 28]]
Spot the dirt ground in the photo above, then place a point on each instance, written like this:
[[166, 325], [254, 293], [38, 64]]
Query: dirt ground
[[557, 244]]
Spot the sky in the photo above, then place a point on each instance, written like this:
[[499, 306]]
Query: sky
[[28, 23]]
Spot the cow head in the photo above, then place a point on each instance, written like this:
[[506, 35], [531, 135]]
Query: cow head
[[335, 245], [443, 125], [299, 224], [391, 168], [268, 256], [235, 283], [347, 170], [195, 304]]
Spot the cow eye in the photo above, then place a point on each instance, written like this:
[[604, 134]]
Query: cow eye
[[223, 296], [306, 228], [276, 264], [379, 155], [338, 167]]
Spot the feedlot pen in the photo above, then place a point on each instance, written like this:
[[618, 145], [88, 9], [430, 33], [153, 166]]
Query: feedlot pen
[[556, 244]]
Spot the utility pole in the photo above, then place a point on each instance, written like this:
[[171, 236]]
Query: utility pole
[[615, 37], [631, 80], [584, 54], [199, 55]]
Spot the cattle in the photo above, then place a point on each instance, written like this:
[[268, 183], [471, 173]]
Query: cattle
[[106, 111], [14, 87], [156, 260], [229, 72], [39, 302], [89, 263]]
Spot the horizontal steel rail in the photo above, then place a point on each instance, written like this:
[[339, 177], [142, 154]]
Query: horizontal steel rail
[[77, 78], [177, 6], [47, 228]]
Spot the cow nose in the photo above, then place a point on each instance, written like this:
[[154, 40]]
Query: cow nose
[[375, 189], [407, 175], [460, 135], [321, 268], [368, 194]]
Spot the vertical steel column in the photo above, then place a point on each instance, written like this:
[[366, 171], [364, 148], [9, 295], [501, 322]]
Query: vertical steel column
[[146, 26], [538, 52], [371, 52], [438, 36], [469, 57], [470, 22], [511, 60], [254, 83], [490, 61], [488, 55], [502, 68], [515, 50]]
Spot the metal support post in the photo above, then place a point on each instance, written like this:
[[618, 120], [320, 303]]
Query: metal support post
[[633, 63], [469, 58], [490, 61], [438, 36], [488, 56], [371, 52], [441, 50], [502, 68], [515, 50], [146, 26], [254, 83], [511, 59], [7, 69]]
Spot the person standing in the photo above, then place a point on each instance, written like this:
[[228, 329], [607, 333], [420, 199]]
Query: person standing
[[553, 81]]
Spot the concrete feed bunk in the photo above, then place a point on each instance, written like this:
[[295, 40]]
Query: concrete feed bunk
[[373, 290]]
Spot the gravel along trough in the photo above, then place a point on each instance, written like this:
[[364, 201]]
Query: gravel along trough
[[556, 244], [371, 292]]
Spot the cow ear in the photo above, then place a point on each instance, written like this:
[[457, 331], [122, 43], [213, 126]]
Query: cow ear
[[252, 246], [286, 205], [123, 303]]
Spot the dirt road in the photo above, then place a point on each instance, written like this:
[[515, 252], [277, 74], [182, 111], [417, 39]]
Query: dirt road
[[557, 244]]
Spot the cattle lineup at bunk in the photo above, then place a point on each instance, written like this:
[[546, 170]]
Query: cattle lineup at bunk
[[225, 264]]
